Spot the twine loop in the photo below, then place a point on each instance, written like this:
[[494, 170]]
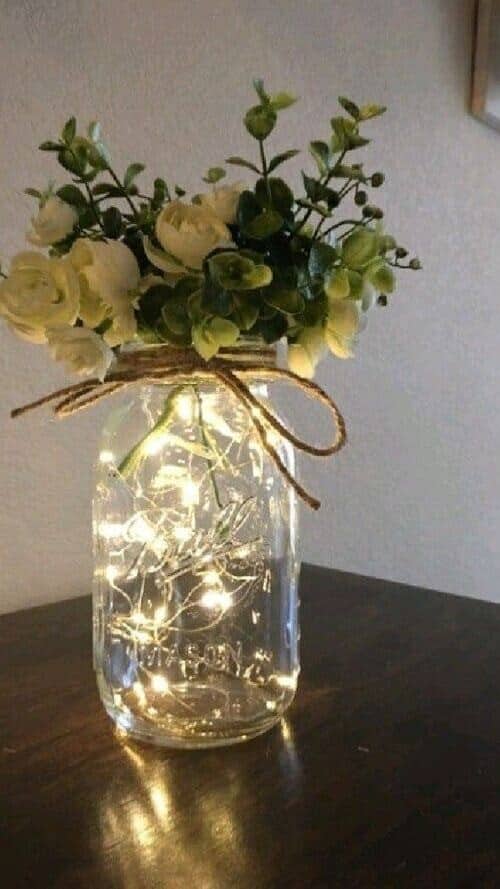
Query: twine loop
[[230, 368]]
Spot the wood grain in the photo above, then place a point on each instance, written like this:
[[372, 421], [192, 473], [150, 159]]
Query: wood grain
[[386, 773]]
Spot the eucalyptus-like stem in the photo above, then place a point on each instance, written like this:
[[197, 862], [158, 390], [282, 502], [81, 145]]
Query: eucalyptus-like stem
[[265, 171], [208, 445], [123, 191], [136, 455], [326, 179], [90, 196]]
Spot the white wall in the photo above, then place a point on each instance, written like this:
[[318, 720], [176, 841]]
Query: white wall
[[415, 496]]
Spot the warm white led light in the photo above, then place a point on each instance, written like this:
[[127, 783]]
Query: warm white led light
[[211, 578], [184, 406], [181, 533], [139, 692], [190, 493], [111, 573], [286, 681], [110, 530], [154, 444], [160, 614], [140, 530], [216, 599], [107, 457], [159, 684]]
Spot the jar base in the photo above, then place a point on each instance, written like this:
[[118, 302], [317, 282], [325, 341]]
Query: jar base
[[200, 731]]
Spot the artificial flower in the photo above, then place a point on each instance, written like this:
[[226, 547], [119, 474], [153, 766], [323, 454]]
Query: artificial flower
[[40, 292], [81, 350], [187, 233], [109, 278], [223, 201], [55, 220]]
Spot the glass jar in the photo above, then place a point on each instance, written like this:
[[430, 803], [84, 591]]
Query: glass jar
[[195, 589]]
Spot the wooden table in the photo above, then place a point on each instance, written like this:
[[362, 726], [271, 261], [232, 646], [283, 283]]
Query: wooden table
[[386, 773]]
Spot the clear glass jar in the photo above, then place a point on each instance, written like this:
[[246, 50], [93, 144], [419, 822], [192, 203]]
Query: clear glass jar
[[195, 589]]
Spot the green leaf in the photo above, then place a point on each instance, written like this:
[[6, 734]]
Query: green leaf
[[235, 272], [214, 174], [72, 195], [258, 85], [223, 331], [241, 162], [50, 146], [357, 141], [356, 285], [265, 224], [112, 222], [280, 101], [309, 205], [33, 193], [368, 111], [94, 131], [73, 162], [382, 278], [281, 197], [245, 313], [248, 208], [160, 193], [260, 121], [68, 132], [349, 106], [152, 302], [180, 192], [321, 258], [337, 284], [280, 159], [106, 188], [175, 317], [288, 301], [343, 171], [359, 248], [321, 155], [131, 172], [271, 329], [203, 342]]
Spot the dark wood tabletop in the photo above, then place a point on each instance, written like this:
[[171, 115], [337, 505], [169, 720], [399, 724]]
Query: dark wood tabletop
[[386, 772]]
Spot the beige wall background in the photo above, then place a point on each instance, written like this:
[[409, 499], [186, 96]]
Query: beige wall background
[[415, 496]]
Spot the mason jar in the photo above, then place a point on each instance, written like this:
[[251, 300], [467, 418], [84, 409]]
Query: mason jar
[[196, 569]]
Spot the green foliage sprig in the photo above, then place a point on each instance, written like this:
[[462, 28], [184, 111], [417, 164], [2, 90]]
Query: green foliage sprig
[[262, 261]]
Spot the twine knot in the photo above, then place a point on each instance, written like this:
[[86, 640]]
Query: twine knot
[[230, 368]]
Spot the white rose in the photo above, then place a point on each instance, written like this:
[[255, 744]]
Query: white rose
[[187, 233], [55, 220], [109, 277], [223, 201], [81, 350], [304, 355], [39, 293]]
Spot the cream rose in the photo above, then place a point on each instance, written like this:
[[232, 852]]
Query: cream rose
[[39, 293], [109, 277], [187, 233], [223, 201], [81, 350], [54, 221]]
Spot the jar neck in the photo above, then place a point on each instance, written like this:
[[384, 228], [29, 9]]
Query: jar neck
[[247, 351]]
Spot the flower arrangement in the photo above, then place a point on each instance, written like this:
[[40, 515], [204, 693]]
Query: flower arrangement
[[234, 262]]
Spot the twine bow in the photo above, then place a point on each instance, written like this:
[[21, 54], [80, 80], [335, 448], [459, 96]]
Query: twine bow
[[168, 364]]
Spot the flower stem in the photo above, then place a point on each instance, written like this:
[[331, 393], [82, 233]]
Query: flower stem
[[208, 445]]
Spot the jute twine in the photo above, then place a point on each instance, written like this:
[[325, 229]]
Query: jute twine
[[231, 369]]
